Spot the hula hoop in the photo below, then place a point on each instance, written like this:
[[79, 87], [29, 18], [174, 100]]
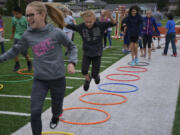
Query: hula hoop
[[108, 77], [128, 91], [95, 93], [30, 78], [143, 69], [140, 64], [20, 71], [57, 132], [1, 86], [87, 123]]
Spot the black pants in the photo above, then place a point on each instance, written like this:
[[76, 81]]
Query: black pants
[[96, 63], [105, 39], [147, 39], [39, 91]]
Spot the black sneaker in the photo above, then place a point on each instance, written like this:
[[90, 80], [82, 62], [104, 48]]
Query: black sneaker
[[29, 64], [86, 84], [16, 67], [54, 122], [97, 79]]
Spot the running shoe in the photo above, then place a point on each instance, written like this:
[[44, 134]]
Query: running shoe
[[54, 122], [86, 84], [136, 61], [133, 63], [97, 79]]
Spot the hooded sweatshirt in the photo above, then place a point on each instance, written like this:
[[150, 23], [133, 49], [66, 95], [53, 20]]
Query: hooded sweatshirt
[[92, 37], [134, 24], [46, 44]]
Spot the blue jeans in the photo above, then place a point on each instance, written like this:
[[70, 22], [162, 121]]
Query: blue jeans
[[109, 37], [171, 37], [2, 47]]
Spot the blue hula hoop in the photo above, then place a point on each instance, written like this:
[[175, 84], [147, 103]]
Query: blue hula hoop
[[136, 88]]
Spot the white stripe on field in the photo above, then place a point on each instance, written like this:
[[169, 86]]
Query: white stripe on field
[[14, 113], [18, 96], [110, 57], [101, 61], [115, 54], [75, 78]]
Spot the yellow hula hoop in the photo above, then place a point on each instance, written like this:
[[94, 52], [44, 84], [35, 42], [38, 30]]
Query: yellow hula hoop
[[57, 132], [1, 86]]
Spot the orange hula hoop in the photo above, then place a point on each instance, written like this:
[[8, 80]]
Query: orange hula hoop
[[20, 71], [87, 123], [94, 93]]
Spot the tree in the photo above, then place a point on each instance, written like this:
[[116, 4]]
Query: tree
[[11, 4], [178, 9]]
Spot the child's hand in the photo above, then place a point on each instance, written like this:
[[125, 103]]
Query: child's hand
[[71, 68]]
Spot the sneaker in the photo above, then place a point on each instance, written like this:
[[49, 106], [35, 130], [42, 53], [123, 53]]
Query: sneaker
[[136, 61], [16, 67], [159, 47], [86, 84], [164, 54], [133, 63], [174, 55], [29, 64], [97, 79], [66, 53], [54, 122]]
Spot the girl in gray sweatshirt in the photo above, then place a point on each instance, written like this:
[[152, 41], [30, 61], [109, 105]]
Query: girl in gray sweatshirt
[[49, 73]]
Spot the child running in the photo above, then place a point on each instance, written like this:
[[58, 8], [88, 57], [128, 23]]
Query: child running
[[49, 73], [92, 32], [19, 24], [148, 24], [170, 35], [1, 35], [133, 23]]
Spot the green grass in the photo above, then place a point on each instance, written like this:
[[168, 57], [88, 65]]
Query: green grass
[[10, 123], [176, 129]]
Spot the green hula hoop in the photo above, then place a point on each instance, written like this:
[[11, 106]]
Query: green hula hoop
[[1, 86], [15, 81]]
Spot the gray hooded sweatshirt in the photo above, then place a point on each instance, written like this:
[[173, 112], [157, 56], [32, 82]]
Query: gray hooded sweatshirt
[[46, 44]]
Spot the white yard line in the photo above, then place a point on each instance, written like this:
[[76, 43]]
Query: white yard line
[[101, 61], [115, 54], [75, 78], [14, 113], [109, 57], [178, 21]]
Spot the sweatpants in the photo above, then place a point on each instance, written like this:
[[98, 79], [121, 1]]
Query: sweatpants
[[96, 63], [39, 91]]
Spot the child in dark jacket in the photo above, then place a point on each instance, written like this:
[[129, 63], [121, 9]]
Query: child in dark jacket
[[133, 23], [92, 32], [148, 24]]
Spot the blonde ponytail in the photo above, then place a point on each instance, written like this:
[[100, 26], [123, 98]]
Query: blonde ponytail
[[55, 14]]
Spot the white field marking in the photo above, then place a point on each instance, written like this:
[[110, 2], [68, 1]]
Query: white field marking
[[178, 21], [110, 57], [75, 78], [18, 96], [115, 54], [101, 61], [25, 58], [79, 71], [14, 113]]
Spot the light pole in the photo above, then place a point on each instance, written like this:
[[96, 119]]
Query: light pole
[[19, 3]]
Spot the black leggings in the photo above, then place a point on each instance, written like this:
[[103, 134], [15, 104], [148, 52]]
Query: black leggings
[[39, 91], [147, 39], [96, 63]]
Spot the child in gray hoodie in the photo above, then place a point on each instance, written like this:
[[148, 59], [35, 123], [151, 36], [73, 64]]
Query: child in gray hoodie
[[49, 73]]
